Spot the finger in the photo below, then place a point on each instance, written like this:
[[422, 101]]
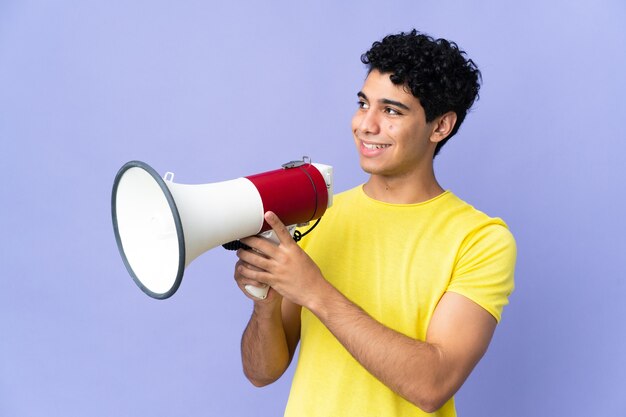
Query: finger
[[244, 273], [247, 265], [251, 249], [243, 281], [281, 231], [260, 245], [253, 260]]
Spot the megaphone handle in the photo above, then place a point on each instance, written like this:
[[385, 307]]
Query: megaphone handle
[[257, 292], [261, 292]]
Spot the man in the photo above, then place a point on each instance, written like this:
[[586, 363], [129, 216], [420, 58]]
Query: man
[[397, 293]]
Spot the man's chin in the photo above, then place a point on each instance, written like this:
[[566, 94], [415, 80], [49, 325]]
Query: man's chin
[[371, 169]]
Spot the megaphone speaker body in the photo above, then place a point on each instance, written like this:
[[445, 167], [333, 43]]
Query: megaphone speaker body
[[162, 226]]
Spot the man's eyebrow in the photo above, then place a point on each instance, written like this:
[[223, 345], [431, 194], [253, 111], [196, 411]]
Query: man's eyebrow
[[395, 103], [362, 95]]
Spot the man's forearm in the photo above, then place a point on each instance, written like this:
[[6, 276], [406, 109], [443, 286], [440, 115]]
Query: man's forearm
[[264, 350], [409, 367]]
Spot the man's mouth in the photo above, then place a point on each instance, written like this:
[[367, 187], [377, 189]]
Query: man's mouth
[[372, 146]]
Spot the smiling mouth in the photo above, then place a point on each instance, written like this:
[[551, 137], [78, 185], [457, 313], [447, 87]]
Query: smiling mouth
[[372, 146]]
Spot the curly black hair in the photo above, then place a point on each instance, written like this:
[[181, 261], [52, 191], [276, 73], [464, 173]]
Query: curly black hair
[[437, 72]]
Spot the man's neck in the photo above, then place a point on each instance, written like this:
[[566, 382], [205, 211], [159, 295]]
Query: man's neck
[[405, 190]]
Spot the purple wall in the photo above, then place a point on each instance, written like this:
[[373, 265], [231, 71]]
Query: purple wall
[[214, 92]]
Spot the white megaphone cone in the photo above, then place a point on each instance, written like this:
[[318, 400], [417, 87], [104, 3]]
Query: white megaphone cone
[[161, 226]]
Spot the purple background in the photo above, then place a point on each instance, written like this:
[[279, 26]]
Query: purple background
[[216, 90]]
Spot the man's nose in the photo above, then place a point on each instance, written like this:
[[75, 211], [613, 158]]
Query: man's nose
[[369, 123]]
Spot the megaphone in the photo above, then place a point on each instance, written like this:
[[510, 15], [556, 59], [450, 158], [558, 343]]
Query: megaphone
[[161, 226]]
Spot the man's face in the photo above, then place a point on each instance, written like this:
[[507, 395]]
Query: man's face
[[390, 129]]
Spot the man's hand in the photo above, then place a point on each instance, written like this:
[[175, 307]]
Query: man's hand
[[286, 268], [271, 298]]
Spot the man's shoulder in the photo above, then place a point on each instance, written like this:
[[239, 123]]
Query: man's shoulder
[[462, 211]]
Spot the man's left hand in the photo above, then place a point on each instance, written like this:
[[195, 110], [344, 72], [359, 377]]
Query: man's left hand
[[284, 267]]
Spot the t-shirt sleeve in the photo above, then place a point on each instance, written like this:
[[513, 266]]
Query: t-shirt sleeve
[[485, 267]]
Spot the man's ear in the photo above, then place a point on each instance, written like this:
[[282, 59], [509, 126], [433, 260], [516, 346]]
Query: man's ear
[[442, 126]]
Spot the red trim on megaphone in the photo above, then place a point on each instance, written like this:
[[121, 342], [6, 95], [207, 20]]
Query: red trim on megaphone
[[296, 195]]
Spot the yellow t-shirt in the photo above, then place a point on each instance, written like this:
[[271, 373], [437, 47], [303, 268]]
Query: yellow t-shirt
[[395, 261]]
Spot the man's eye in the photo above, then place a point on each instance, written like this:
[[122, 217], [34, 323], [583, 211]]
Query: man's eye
[[363, 105], [392, 111]]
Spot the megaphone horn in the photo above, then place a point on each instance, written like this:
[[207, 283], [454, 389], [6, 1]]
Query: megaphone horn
[[161, 226]]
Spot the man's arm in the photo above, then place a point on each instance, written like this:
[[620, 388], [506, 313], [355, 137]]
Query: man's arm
[[426, 373], [270, 339]]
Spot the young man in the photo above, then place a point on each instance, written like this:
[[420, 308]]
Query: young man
[[395, 296]]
